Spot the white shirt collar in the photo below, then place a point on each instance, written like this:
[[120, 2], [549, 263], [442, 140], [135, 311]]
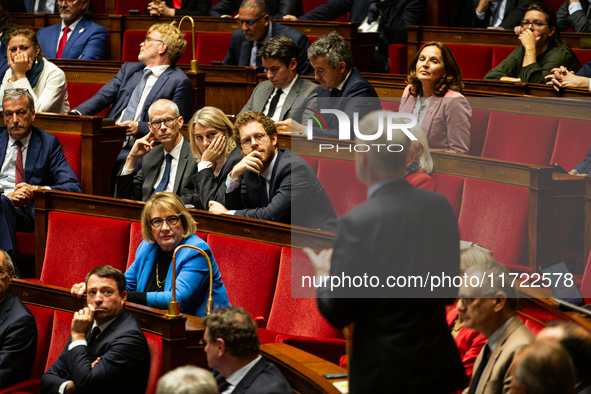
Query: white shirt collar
[[24, 141], [72, 26], [237, 376], [268, 36], [157, 70], [176, 151], [340, 87], [494, 338], [103, 326]]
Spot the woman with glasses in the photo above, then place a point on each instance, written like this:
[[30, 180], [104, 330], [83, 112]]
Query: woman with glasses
[[28, 69], [166, 224], [210, 132], [542, 49]]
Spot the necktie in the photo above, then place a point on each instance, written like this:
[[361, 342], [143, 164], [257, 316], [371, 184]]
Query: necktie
[[177, 4], [274, 102], [62, 45], [259, 61], [334, 92], [223, 385], [40, 7], [134, 100], [476, 377], [162, 185], [95, 333], [18, 166], [263, 191]]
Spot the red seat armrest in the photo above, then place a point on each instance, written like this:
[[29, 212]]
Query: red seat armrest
[[28, 386]]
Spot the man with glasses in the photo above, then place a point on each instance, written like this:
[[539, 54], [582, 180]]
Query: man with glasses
[[273, 183], [32, 159], [490, 308], [138, 85], [499, 14], [76, 37], [167, 167], [256, 29]]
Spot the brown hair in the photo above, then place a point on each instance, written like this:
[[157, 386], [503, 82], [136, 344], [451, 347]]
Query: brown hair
[[169, 202], [108, 271], [174, 39], [235, 326], [252, 116], [29, 34]]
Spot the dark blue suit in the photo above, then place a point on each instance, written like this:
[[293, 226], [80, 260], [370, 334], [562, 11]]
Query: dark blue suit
[[173, 85], [88, 41], [584, 167], [18, 341], [263, 377], [277, 8], [357, 95], [585, 71], [240, 48], [123, 368], [45, 165]]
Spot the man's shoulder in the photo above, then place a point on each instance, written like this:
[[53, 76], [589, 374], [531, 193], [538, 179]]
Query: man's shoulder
[[279, 29], [306, 84], [48, 29], [125, 324], [265, 377], [45, 136], [18, 310], [91, 25]]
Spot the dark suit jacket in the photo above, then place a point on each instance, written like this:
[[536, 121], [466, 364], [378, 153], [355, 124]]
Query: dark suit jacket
[[208, 187], [173, 85], [294, 188], [125, 360], [332, 9], [239, 51], [18, 341], [263, 378], [140, 186], [277, 8], [302, 88], [400, 230], [87, 42], [364, 100], [579, 21], [189, 7], [585, 71], [584, 167], [514, 12]]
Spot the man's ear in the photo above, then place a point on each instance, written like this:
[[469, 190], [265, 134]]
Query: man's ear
[[500, 299], [221, 346], [124, 296], [293, 64]]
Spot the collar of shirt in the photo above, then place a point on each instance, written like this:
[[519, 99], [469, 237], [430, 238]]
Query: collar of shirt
[[288, 87], [340, 87], [279, 107], [157, 70], [269, 171], [254, 51], [494, 338], [377, 186], [24, 142], [103, 326], [72, 26], [176, 151], [237, 376]]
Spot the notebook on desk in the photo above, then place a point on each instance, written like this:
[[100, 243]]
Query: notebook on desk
[[567, 296]]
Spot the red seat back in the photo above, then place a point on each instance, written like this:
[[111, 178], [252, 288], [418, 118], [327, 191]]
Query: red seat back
[[309, 5], [499, 54], [123, 6], [312, 162], [78, 243], [72, 148], [98, 7], [155, 345], [496, 215], [60, 332], [390, 105], [80, 92], [44, 320], [452, 187], [465, 55], [478, 127], [212, 47], [398, 59], [520, 138], [573, 141], [533, 325], [341, 184], [584, 55], [249, 271], [586, 282]]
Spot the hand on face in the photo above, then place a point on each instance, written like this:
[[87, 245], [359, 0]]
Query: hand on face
[[20, 63], [82, 322], [529, 40], [251, 162], [215, 150]]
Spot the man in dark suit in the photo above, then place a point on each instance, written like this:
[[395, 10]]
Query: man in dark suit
[[178, 8], [106, 346], [231, 343], [277, 9], [276, 97], [273, 183], [342, 86], [32, 159], [574, 14], [401, 341], [84, 40], [499, 14], [256, 29], [18, 331], [159, 173]]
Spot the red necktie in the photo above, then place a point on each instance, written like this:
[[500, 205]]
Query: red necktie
[[62, 44], [18, 171], [177, 4]]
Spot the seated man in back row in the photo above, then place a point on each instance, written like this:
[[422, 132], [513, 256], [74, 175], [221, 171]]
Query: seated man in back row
[[273, 183]]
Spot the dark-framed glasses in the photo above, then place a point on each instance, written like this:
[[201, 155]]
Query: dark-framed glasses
[[171, 221], [247, 142], [167, 122], [250, 22], [534, 23], [147, 39], [68, 2]]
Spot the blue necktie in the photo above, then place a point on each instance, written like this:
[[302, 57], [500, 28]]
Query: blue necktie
[[263, 192], [162, 185], [134, 101], [259, 61]]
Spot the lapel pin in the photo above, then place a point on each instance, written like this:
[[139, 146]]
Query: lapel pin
[[81, 30]]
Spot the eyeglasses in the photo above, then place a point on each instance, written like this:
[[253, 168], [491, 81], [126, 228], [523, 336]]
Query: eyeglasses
[[147, 39], [171, 221], [68, 2], [250, 22], [247, 142], [167, 122], [535, 23]]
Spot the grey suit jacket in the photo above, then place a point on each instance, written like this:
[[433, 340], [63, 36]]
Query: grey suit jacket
[[496, 377], [302, 88], [579, 21], [140, 185]]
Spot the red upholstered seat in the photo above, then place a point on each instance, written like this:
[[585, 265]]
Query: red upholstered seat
[[478, 127], [520, 138], [155, 345], [98, 7], [44, 320], [452, 187], [80, 92], [390, 105], [212, 47], [25, 245], [533, 325], [398, 58], [123, 6], [465, 55], [309, 5], [91, 241], [341, 184], [573, 140], [499, 54], [312, 161], [586, 282], [61, 330], [249, 272], [72, 148], [584, 55], [496, 216], [133, 38], [555, 4]]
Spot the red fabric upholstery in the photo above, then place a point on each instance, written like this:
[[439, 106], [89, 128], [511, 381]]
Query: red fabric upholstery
[[496, 215], [133, 38], [61, 330], [343, 362], [212, 47], [188, 54], [123, 7], [80, 92], [555, 4], [452, 187], [478, 127], [312, 161], [309, 5], [465, 55], [331, 349], [344, 194], [586, 282], [25, 244], [520, 138], [155, 345], [30, 386], [584, 55], [398, 59], [249, 271], [77, 243], [573, 140], [44, 320], [532, 325], [390, 105], [98, 7], [499, 54], [72, 148]]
